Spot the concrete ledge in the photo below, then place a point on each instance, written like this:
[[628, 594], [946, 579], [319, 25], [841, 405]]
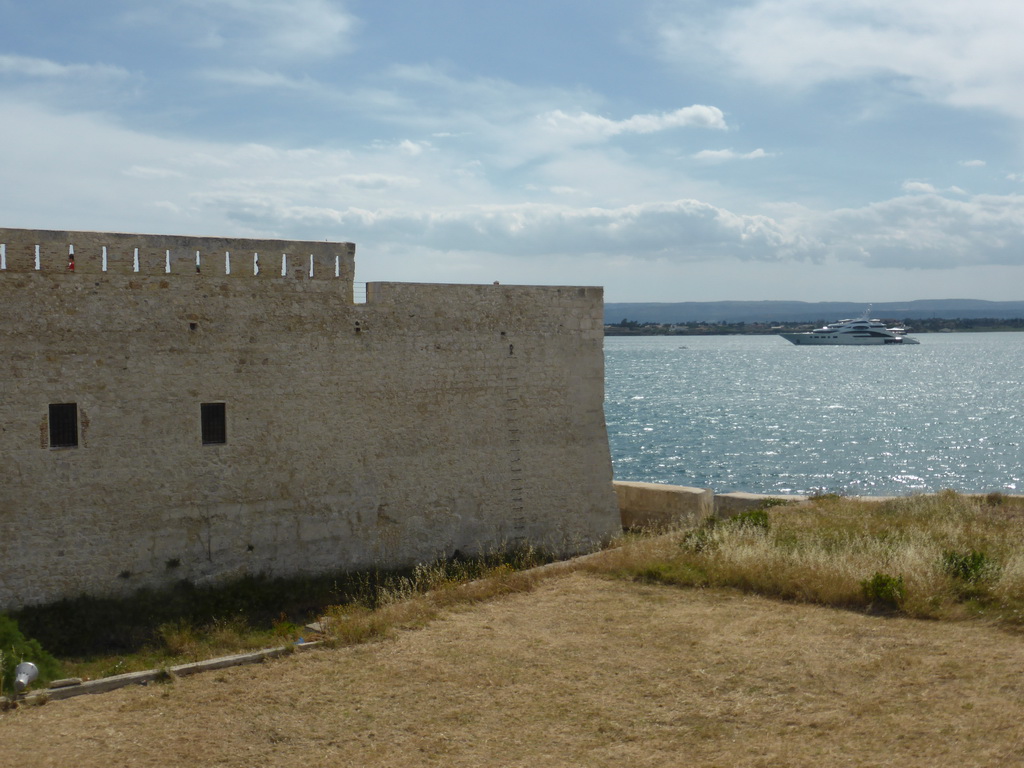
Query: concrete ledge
[[657, 505], [654, 505]]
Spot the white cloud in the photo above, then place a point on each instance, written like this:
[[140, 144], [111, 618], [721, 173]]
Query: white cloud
[[68, 86], [379, 181], [923, 187], [298, 29], [929, 230], [101, 176], [506, 125], [724, 155], [918, 186], [412, 148], [963, 54], [972, 163], [143, 172], [258, 78], [595, 127], [916, 232], [27, 66], [683, 230]]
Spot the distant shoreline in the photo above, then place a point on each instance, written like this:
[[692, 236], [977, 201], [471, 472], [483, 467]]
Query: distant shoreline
[[912, 313], [934, 325]]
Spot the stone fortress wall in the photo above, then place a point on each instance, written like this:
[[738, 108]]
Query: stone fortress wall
[[428, 420]]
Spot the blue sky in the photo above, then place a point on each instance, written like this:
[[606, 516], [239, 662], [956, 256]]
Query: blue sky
[[670, 150]]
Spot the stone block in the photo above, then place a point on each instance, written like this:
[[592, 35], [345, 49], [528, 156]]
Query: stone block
[[653, 505]]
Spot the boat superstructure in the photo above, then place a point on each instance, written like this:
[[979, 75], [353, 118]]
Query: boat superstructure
[[859, 331]]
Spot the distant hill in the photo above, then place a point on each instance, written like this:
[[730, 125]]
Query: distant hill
[[804, 311]]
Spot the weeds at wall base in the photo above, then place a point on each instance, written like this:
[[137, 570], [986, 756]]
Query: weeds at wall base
[[154, 629]]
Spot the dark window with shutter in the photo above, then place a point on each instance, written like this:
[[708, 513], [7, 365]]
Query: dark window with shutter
[[215, 423], [63, 425]]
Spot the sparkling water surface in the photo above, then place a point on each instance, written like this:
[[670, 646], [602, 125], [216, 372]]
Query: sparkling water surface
[[758, 414]]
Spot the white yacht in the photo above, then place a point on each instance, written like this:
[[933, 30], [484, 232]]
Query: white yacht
[[858, 331]]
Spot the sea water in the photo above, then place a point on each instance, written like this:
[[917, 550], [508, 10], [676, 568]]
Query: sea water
[[758, 414]]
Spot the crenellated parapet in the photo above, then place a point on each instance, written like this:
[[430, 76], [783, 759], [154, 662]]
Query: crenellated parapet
[[92, 253]]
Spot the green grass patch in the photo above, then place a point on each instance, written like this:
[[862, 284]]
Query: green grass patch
[[680, 574]]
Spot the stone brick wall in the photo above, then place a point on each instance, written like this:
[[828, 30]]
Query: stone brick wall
[[430, 419]]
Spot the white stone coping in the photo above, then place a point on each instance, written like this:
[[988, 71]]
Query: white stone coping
[[652, 502]]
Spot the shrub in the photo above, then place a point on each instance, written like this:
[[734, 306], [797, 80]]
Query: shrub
[[16, 648], [754, 518], [699, 539], [884, 591], [969, 566], [973, 573]]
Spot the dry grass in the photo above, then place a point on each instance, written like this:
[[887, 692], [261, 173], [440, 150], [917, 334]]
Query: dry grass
[[420, 601], [580, 671], [566, 666], [829, 552]]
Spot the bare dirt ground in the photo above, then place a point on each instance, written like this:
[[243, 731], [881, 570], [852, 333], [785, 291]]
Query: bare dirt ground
[[581, 672]]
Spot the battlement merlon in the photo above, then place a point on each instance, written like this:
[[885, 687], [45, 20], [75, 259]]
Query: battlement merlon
[[93, 253]]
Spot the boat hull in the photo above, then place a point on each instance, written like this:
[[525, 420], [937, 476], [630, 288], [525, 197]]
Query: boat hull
[[845, 339]]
